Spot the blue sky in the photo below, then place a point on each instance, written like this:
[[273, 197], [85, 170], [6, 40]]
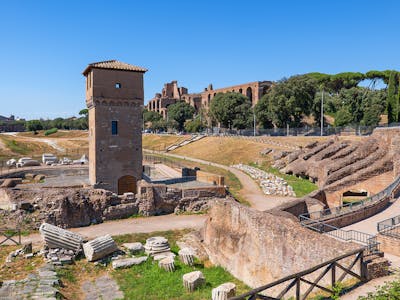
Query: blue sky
[[45, 45]]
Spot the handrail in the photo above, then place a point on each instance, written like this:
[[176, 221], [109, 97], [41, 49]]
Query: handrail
[[369, 240], [354, 206], [388, 223], [297, 275]]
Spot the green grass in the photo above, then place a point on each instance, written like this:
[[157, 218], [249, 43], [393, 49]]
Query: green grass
[[16, 147], [148, 281], [300, 186], [50, 131]]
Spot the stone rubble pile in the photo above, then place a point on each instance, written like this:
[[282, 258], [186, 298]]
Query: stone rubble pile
[[269, 183], [58, 256]]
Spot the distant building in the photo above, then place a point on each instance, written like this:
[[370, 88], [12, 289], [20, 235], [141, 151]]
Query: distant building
[[11, 124], [171, 93], [114, 97]]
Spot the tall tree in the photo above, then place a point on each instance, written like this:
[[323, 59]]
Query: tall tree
[[231, 110], [180, 112]]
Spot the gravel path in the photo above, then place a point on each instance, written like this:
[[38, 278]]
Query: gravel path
[[134, 225], [250, 189]]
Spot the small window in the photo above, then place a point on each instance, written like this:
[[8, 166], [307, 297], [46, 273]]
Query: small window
[[117, 85], [114, 127]]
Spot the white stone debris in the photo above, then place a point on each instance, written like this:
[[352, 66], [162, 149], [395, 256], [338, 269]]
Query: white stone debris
[[56, 237], [160, 256], [99, 247], [127, 262], [167, 264], [186, 255], [269, 183], [133, 248], [155, 245], [224, 291], [193, 280]]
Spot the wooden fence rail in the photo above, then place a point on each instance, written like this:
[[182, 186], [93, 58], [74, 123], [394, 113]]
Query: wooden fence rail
[[9, 234]]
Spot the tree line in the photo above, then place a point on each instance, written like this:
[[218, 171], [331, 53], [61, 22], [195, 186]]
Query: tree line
[[295, 101]]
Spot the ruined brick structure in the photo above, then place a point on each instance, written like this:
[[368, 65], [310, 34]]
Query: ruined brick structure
[[171, 93], [114, 97]]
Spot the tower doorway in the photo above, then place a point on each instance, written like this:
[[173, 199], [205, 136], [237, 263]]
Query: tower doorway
[[127, 184]]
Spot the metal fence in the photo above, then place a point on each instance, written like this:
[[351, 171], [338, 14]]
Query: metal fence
[[368, 240], [301, 131], [388, 223], [352, 206]]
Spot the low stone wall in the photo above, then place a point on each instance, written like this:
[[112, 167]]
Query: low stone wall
[[357, 215], [210, 178], [389, 244]]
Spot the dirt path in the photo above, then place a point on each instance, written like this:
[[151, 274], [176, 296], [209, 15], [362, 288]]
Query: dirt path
[[136, 225], [370, 286], [250, 189]]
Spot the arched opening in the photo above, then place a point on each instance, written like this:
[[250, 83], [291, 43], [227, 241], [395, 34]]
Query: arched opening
[[208, 100], [127, 184], [249, 94], [241, 91]]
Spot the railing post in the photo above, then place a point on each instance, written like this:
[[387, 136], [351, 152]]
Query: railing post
[[333, 279], [298, 289]]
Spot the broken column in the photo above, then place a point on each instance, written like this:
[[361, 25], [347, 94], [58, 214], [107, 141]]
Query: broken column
[[167, 264], [99, 247], [224, 291], [56, 237], [186, 256], [193, 280], [157, 244]]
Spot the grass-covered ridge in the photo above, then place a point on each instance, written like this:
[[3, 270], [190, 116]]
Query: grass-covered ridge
[[300, 186]]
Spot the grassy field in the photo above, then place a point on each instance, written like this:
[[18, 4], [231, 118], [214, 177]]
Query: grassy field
[[147, 281], [161, 142], [223, 150], [22, 147], [59, 134]]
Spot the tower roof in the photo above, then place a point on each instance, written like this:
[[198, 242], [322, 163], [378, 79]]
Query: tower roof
[[113, 65]]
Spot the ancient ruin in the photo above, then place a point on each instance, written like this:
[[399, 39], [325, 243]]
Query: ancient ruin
[[114, 97]]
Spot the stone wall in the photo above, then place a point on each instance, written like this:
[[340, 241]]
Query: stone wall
[[261, 247], [389, 244], [210, 178]]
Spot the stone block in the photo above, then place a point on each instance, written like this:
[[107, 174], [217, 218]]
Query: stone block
[[133, 248], [224, 291], [186, 255], [167, 264], [193, 280], [128, 262], [99, 247]]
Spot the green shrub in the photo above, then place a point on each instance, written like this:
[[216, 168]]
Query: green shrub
[[50, 131]]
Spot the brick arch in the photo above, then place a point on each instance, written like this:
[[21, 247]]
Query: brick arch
[[127, 184], [249, 94]]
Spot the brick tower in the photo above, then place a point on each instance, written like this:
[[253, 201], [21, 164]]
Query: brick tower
[[114, 97]]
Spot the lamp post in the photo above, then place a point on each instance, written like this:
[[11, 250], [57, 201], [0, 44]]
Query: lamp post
[[322, 113]]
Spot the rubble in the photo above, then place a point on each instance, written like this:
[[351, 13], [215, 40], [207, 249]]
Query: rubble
[[186, 255], [193, 280], [127, 262], [133, 248], [167, 264], [99, 247], [155, 245], [269, 183], [224, 291], [56, 237]]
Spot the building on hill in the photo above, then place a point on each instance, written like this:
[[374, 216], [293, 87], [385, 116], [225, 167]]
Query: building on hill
[[171, 93], [114, 98]]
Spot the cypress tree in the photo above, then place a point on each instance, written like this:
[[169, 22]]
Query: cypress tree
[[392, 99]]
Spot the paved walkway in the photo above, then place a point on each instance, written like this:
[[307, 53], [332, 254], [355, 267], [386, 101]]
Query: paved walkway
[[369, 225], [250, 189], [134, 225]]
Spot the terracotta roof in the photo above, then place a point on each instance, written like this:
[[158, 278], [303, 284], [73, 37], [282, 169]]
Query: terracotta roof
[[113, 65]]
